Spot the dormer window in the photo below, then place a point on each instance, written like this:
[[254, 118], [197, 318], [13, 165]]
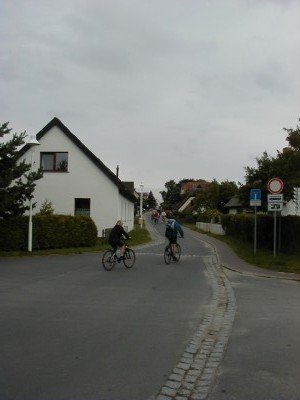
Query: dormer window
[[54, 161]]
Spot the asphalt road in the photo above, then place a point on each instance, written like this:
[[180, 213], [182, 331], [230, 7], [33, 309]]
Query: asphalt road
[[71, 330]]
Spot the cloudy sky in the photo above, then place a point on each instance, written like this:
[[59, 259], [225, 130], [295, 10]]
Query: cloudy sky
[[166, 89]]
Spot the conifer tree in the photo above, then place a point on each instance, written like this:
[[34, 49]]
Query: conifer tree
[[151, 201], [17, 183]]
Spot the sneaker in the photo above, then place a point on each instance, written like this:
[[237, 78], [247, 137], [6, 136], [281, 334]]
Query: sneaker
[[175, 258]]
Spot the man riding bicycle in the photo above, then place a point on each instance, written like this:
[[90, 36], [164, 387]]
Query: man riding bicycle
[[115, 238], [172, 230]]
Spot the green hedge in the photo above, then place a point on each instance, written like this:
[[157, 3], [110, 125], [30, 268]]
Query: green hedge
[[13, 234], [186, 216], [49, 232], [241, 226]]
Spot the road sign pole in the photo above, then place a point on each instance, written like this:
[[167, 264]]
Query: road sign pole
[[275, 202], [279, 232], [275, 213], [255, 229]]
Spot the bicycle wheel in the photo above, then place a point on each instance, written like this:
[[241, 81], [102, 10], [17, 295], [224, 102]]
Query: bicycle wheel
[[177, 252], [129, 258], [108, 260], [167, 255]]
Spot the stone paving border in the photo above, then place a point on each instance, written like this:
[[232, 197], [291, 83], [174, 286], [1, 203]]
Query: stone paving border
[[192, 377]]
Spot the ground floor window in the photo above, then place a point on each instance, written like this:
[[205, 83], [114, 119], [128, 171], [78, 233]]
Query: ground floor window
[[82, 207]]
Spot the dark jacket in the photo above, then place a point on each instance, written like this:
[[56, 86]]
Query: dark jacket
[[116, 233]]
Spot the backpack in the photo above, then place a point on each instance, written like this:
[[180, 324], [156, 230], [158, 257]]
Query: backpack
[[170, 230]]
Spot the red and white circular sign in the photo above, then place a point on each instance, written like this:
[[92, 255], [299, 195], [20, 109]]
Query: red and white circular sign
[[275, 185]]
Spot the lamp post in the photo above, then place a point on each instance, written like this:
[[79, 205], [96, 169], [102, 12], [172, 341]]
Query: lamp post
[[141, 204], [32, 143]]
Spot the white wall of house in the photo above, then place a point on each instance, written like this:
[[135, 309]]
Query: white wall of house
[[83, 180], [210, 227], [186, 204], [290, 208]]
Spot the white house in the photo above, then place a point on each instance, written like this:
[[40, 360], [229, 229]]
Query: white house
[[291, 207], [76, 181], [186, 203]]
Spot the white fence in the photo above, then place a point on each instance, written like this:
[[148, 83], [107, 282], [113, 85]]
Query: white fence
[[212, 228]]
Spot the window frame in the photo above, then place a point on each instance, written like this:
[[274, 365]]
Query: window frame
[[54, 153], [81, 200]]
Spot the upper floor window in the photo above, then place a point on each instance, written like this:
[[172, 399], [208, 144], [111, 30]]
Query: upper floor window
[[54, 161]]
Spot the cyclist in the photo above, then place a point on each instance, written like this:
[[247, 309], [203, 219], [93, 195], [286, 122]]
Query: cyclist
[[172, 229], [115, 238], [155, 216]]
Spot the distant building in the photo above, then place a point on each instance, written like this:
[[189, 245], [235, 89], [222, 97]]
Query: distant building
[[234, 205], [191, 186]]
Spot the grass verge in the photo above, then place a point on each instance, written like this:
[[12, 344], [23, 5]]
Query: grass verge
[[138, 236], [263, 258]]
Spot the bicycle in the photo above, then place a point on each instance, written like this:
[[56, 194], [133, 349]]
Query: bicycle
[[168, 253], [110, 258]]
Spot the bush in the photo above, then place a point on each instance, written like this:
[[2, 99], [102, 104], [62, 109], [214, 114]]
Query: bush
[[14, 233], [290, 233], [49, 232], [241, 226], [46, 208], [211, 215], [187, 216]]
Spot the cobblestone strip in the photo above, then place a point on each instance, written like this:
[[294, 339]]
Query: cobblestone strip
[[160, 254], [192, 377]]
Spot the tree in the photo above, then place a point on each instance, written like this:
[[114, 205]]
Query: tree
[[46, 208], [16, 182], [286, 165], [172, 196], [227, 190], [216, 195], [150, 202]]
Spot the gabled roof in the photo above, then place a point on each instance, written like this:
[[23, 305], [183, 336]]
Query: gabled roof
[[234, 202], [56, 122]]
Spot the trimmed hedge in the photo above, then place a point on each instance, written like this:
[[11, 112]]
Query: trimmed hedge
[[14, 234], [186, 216], [49, 232], [241, 226]]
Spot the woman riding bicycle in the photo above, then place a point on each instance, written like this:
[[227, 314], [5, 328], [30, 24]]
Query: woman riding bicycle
[[172, 230], [115, 238]]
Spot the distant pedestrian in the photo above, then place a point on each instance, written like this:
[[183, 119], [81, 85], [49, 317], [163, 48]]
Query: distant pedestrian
[[155, 216]]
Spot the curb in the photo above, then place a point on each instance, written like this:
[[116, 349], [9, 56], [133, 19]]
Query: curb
[[263, 274]]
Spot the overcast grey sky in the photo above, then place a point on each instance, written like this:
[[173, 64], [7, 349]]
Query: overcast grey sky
[[166, 89]]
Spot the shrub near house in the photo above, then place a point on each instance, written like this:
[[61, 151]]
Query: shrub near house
[[49, 232]]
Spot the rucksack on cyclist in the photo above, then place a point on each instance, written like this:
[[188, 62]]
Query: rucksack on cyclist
[[170, 230]]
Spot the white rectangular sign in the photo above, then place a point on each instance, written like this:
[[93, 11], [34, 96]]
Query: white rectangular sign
[[275, 206], [254, 203], [275, 198]]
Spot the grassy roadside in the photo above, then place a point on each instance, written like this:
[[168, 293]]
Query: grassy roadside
[[263, 258], [138, 236]]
